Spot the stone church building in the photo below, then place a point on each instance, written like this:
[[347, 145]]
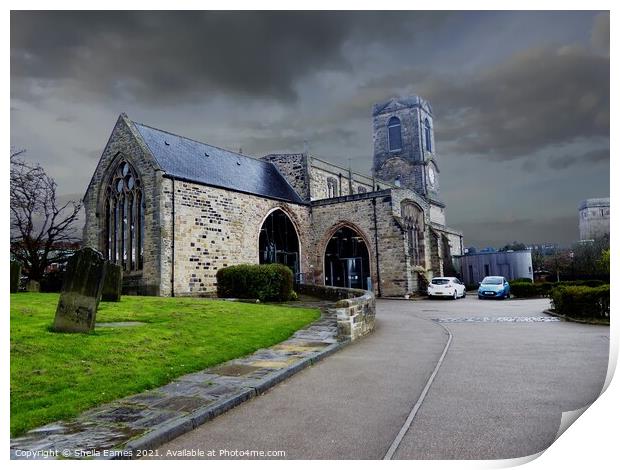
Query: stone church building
[[172, 210]]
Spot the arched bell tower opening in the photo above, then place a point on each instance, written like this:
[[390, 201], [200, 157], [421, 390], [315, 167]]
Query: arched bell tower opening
[[278, 241], [347, 261]]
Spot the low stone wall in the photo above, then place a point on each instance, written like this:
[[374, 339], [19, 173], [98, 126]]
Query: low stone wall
[[355, 309]]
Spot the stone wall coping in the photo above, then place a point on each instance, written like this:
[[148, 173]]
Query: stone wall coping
[[337, 293], [351, 197], [365, 297]]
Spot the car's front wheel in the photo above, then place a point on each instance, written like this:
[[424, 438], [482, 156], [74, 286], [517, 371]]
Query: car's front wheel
[[455, 296]]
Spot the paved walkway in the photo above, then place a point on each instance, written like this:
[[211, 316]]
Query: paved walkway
[[119, 428], [498, 394]]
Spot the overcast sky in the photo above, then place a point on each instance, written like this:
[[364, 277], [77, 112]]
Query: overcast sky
[[521, 100]]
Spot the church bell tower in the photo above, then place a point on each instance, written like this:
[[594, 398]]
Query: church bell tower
[[404, 145]]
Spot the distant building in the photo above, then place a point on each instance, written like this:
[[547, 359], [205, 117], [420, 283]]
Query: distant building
[[510, 264], [594, 218], [544, 248]]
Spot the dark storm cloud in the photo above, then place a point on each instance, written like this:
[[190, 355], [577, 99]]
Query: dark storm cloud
[[159, 55], [589, 158], [491, 232], [539, 97], [521, 95]]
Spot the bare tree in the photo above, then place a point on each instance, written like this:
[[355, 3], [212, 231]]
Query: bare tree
[[40, 226], [558, 262]]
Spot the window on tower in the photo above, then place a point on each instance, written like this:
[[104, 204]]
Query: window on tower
[[427, 135], [394, 135]]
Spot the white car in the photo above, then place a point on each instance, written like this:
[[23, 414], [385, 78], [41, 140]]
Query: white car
[[446, 287]]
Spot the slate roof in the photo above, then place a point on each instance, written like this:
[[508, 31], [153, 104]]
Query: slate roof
[[198, 162]]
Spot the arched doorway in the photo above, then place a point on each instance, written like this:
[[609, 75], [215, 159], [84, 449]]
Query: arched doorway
[[278, 241], [347, 262]]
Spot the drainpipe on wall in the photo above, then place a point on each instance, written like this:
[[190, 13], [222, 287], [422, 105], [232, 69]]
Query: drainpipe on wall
[[173, 230], [374, 211]]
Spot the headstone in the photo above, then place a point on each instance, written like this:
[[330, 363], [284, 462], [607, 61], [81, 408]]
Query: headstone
[[81, 292], [113, 283], [16, 274], [33, 286]]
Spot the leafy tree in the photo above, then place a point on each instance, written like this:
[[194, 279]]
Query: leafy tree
[[604, 261], [538, 260], [587, 256], [515, 246], [39, 224]]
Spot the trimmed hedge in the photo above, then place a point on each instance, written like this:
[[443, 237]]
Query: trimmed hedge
[[581, 301], [256, 281], [528, 289], [524, 289]]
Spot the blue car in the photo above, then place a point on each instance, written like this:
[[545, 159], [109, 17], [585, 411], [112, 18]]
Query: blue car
[[494, 287]]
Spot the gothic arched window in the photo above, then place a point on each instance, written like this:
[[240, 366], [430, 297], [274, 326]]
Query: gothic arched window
[[394, 135], [124, 218], [427, 135], [413, 221]]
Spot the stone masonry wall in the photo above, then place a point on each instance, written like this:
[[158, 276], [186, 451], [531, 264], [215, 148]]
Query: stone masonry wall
[[125, 143], [319, 171], [438, 214], [355, 309], [356, 316], [409, 162], [294, 167], [215, 228], [594, 221], [357, 212]]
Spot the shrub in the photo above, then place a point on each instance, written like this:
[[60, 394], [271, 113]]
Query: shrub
[[256, 281], [544, 288], [524, 289], [584, 282], [581, 301], [522, 279]]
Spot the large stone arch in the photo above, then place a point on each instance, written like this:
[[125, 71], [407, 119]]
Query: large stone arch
[[276, 242], [368, 245]]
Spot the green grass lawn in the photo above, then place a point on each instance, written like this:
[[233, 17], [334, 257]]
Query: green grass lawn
[[58, 375]]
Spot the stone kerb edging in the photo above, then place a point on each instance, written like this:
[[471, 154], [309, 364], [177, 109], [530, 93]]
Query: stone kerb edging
[[355, 309]]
